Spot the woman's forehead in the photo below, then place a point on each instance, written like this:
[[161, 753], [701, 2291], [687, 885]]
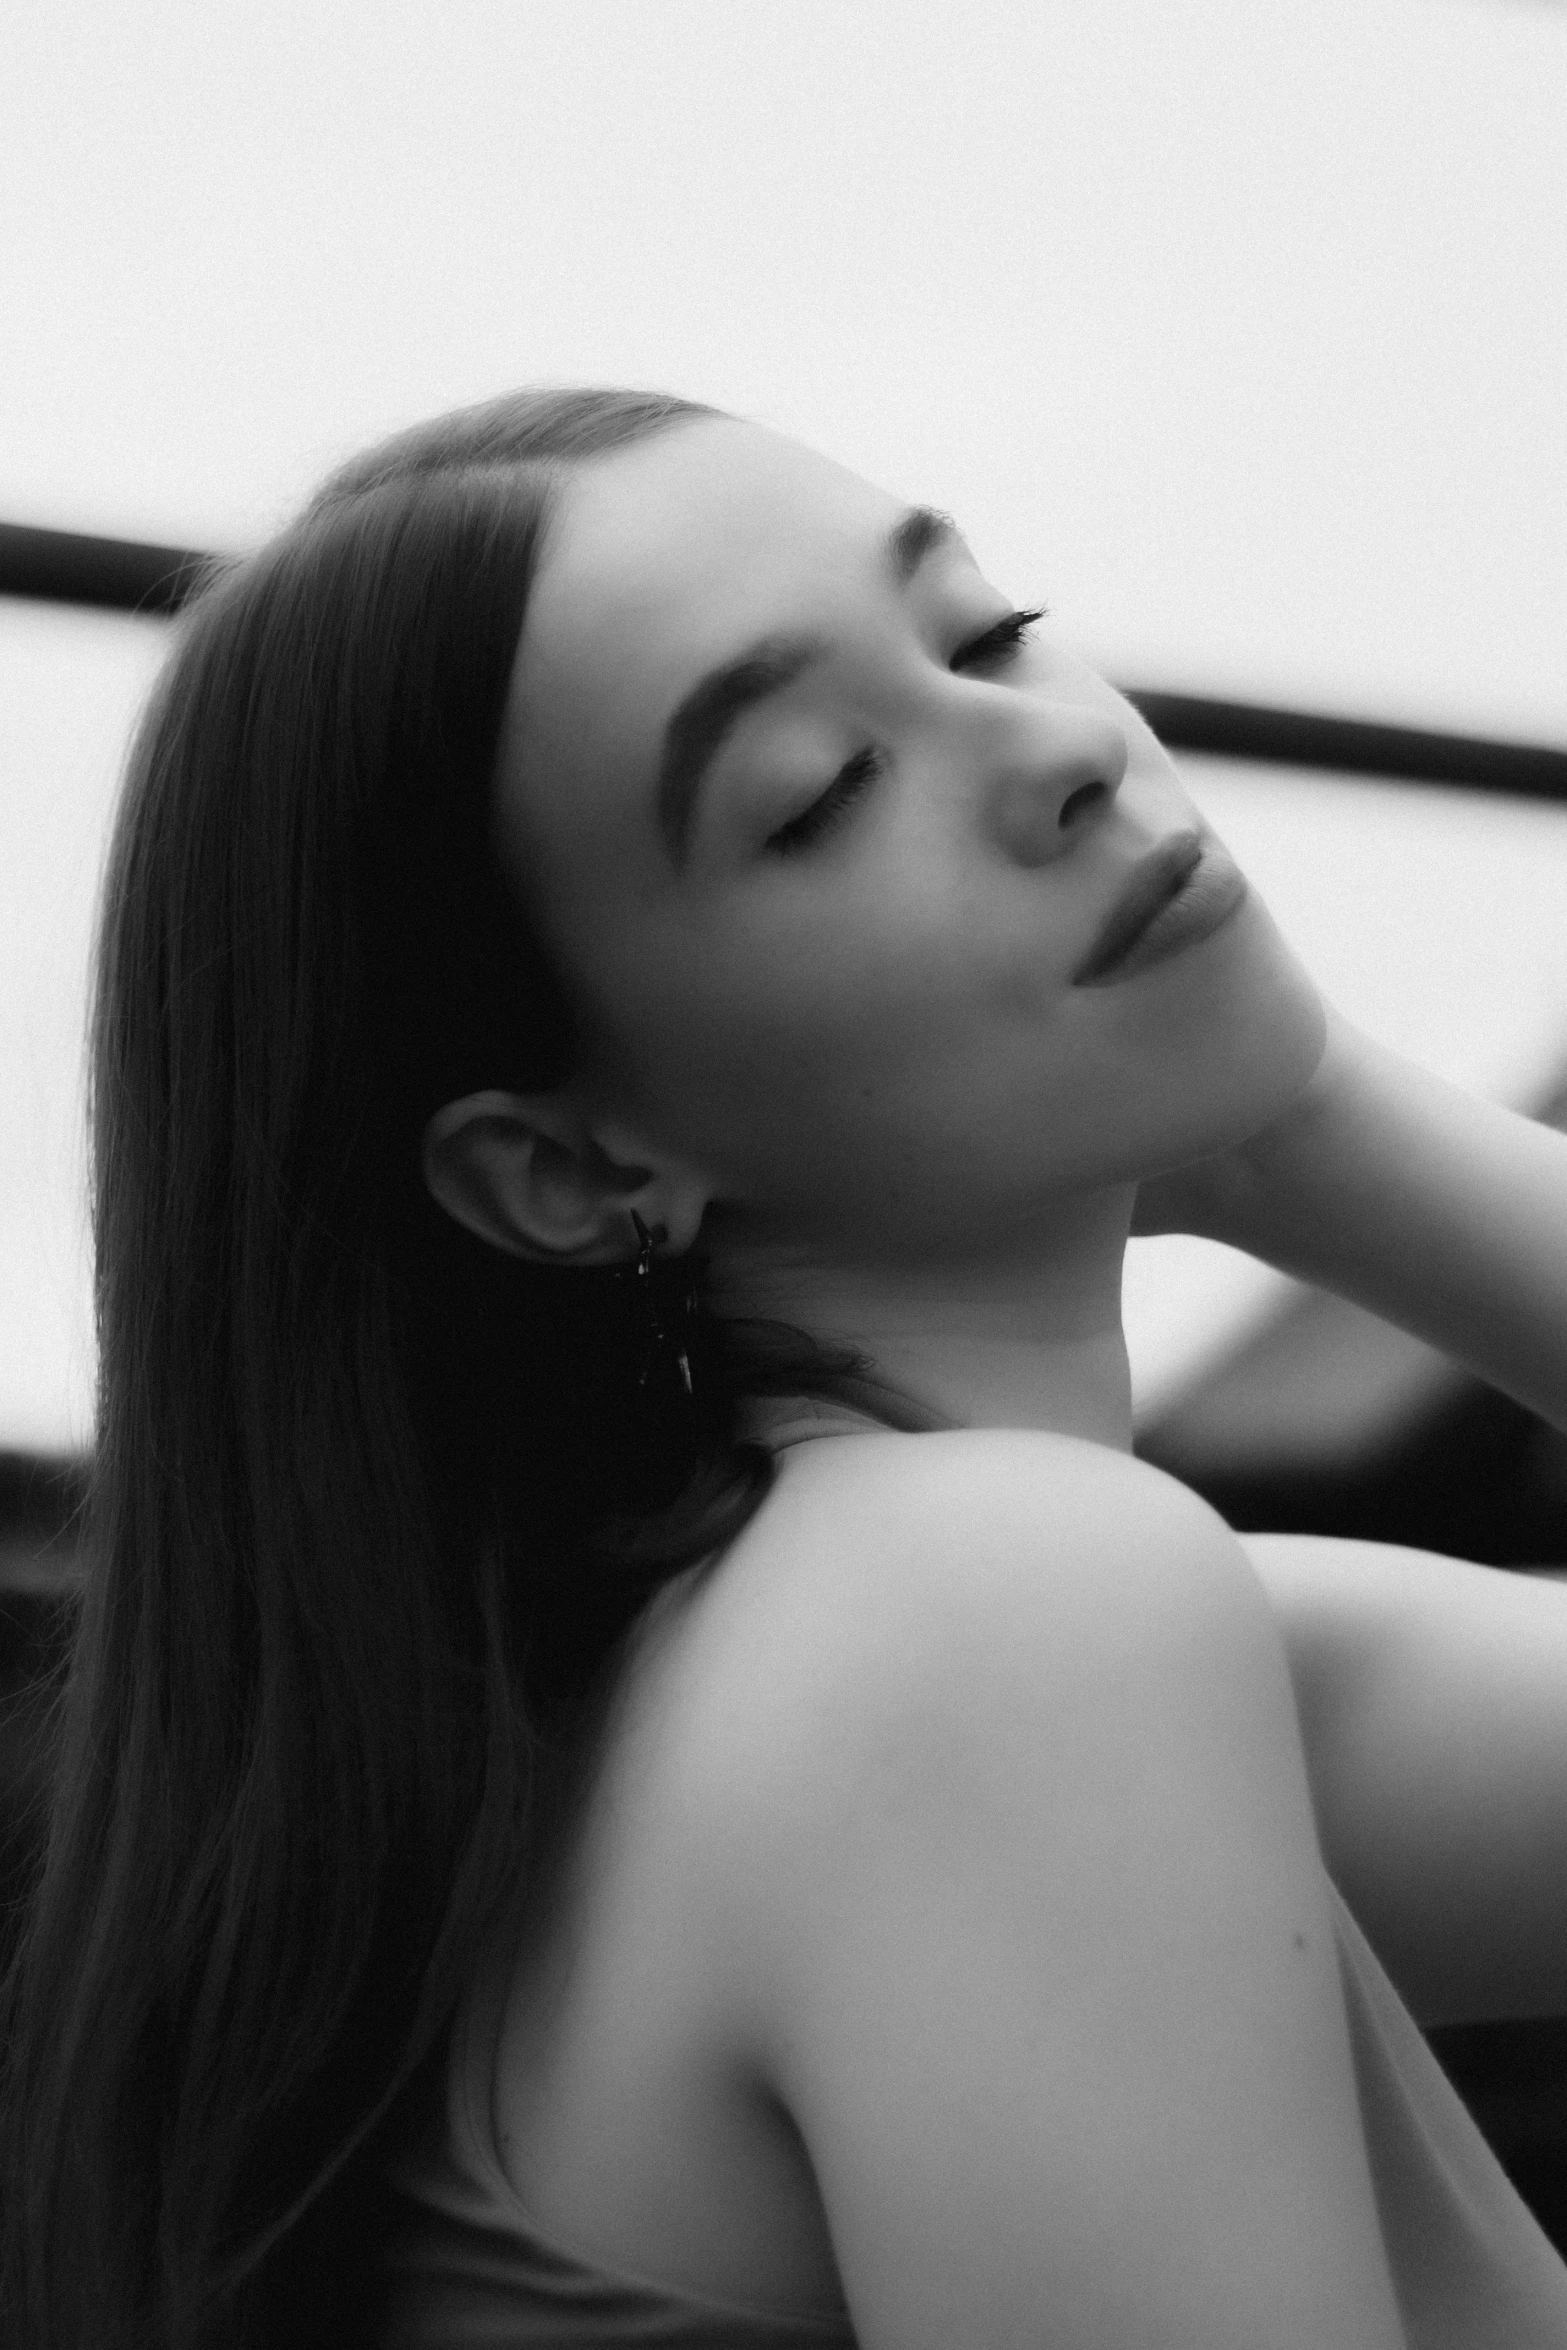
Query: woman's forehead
[[714, 505]]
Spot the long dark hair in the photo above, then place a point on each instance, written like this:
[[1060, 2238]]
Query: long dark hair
[[371, 1505]]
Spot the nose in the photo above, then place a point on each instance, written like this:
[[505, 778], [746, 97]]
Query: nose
[[1069, 768]]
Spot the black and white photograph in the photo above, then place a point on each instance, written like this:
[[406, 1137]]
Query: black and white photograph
[[783, 1177]]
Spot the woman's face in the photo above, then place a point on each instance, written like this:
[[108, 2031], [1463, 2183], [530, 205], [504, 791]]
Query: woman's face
[[823, 936]]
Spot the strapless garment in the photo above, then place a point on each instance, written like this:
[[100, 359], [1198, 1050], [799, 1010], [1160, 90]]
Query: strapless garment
[[1472, 2267]]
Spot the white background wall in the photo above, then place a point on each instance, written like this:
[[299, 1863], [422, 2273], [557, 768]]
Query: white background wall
[[1236, 330]]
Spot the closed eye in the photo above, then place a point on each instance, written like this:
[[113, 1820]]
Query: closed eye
[[996, 644], [999, 642], [852, 779]]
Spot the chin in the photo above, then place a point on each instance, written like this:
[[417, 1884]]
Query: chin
[[1231, 1057], [1265, 1047]]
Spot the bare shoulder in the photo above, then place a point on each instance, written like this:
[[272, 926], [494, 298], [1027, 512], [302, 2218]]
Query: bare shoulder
[[985, 1630], [1007, 1837], [889, 1572]]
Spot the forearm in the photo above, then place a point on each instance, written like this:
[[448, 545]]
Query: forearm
[[1442, 1213]]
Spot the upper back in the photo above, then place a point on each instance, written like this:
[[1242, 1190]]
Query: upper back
[[985, 1786]]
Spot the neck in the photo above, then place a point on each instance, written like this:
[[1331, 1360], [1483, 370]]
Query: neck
[[1024, 1334]]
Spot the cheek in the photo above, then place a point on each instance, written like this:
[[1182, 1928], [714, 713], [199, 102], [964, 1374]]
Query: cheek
[[833, 1061], [752, 1053], [909, 1056], [743, 1023]]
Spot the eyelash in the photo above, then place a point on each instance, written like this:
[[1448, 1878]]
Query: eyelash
[[999, 642]]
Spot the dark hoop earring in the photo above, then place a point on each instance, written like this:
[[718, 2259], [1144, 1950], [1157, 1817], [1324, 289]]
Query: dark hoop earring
[[661, 1342]]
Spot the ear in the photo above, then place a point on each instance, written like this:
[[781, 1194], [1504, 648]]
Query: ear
[[526, 1173]]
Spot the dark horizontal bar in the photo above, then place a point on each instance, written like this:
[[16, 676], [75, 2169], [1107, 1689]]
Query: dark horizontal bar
[[1357, 746], [122, 575], [40, 1493], [115, 575]]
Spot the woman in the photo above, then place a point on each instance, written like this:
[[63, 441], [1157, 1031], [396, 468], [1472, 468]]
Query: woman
[[641, 1760]]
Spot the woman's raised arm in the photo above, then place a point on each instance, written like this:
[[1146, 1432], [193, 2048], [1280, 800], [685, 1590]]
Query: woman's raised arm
[[1031, 1913], [1441, 1212]]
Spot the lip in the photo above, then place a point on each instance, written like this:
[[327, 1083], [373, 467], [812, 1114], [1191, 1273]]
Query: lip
[[1179, 893]]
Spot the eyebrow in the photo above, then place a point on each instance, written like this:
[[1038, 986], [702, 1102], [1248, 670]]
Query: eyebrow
[[702, 720]]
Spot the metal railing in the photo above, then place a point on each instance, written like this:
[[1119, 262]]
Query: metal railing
[[127, 575]]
